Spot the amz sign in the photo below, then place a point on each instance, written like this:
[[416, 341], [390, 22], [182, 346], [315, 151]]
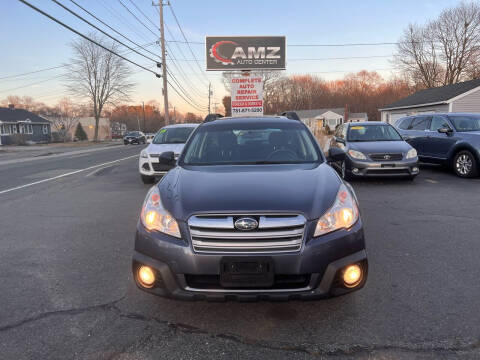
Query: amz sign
[[245, 52]]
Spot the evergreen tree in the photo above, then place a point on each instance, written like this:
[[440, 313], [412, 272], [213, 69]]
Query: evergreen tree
[[80, 134]]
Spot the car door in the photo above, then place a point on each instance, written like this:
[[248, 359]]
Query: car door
[[439, 144], [417, 133]]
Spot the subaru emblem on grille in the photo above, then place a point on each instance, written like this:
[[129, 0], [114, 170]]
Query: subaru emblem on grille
[[386, 157], [246, 223]]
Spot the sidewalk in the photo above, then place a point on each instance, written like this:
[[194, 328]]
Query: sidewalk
[[11, 154]]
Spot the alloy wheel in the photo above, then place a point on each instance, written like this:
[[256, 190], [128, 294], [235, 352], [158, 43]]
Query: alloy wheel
[[464, 164]]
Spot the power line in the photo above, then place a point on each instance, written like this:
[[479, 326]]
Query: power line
[[32, 72], [86, 37], [135, 16], [31, 84], [182, 89], [188, 44], [322, 45], [103, 32], [111, 28], [54, 67]]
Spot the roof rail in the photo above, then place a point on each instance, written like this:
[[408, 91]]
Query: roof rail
[[291, 115], [212, 117]]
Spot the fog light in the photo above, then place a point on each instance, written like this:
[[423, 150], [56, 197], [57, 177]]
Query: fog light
[[415, 169], [355, 170], [146, 276], [352, 275]]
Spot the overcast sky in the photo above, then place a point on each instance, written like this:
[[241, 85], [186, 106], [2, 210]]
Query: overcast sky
[[31, 42]]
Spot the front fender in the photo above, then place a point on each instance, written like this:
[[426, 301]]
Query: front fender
[[464, 145]]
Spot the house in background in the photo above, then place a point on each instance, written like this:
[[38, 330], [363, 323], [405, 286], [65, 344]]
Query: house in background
[[322, 118], [88, 124], [118, 129], [460, 97], [20, 126]]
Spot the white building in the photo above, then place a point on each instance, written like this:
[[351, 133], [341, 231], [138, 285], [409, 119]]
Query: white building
[[460, 97]]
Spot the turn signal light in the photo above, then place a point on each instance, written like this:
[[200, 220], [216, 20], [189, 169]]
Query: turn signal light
[[146, 276], [352, 275]]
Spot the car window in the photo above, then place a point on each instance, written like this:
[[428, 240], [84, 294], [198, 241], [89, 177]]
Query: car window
[[359, 133], [251, 143], [174, 135], [438, 122], [420, 123], [465, 122], [404, 123]]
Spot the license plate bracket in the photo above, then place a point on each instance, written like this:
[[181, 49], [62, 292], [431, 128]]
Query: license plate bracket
[[388, 165], [246, 272]]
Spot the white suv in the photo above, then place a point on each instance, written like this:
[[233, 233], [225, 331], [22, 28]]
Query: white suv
[[169, 138]]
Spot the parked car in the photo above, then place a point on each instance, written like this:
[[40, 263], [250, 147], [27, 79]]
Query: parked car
[[149, 137], [374, 149], [134, 137], [169, 138], [449, 139], [251, 210]]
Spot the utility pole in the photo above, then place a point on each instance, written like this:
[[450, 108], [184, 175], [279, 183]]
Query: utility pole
[[209, 96], [164, 62]]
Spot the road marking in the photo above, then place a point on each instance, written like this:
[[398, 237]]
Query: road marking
[[431, 181], [66, 174], [97, 170]]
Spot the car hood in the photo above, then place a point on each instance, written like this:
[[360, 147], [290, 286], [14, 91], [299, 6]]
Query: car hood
[[160, 148], [308, 189], [373, 147]]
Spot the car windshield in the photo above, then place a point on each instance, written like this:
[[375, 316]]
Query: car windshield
[[359, 133], [175, 135], [132, 133], [252, 143], [466, 122]]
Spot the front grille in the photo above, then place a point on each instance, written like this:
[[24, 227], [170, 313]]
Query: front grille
[[280, 282], [159, 167], [275, 233], [386, 157]]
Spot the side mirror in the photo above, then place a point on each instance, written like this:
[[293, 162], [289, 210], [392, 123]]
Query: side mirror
[[445, 130], [340, 140], [336, 155], [167, 158]]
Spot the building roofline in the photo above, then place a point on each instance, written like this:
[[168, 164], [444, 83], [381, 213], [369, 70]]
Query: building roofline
[[444, 102]]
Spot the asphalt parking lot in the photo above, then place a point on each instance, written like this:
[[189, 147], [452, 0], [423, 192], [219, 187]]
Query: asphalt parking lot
[[66, 289]]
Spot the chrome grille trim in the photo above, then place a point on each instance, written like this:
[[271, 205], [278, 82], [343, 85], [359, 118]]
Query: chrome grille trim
[[276, 233]]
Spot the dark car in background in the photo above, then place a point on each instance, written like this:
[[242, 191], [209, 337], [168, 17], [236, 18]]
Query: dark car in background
[[373, 149], [448, 139], [251, 211], [134, 137]]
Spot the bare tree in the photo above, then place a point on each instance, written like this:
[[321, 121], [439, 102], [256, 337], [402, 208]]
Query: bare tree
[[444, 51], [98, 76], [65, 117]]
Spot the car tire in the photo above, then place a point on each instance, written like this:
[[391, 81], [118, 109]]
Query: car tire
[[465, 165], [148, 179]]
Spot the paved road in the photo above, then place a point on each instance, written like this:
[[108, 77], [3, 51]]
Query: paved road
[[66, 289]]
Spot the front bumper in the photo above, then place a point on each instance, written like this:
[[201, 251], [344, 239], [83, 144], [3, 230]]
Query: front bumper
[[368, 168], [320, 259], [150, 167]]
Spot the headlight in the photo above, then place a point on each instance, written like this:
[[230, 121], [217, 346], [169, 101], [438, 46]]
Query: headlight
[[144, 154], [155, 217], [357, 155], [342, 215], [411, 153]]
